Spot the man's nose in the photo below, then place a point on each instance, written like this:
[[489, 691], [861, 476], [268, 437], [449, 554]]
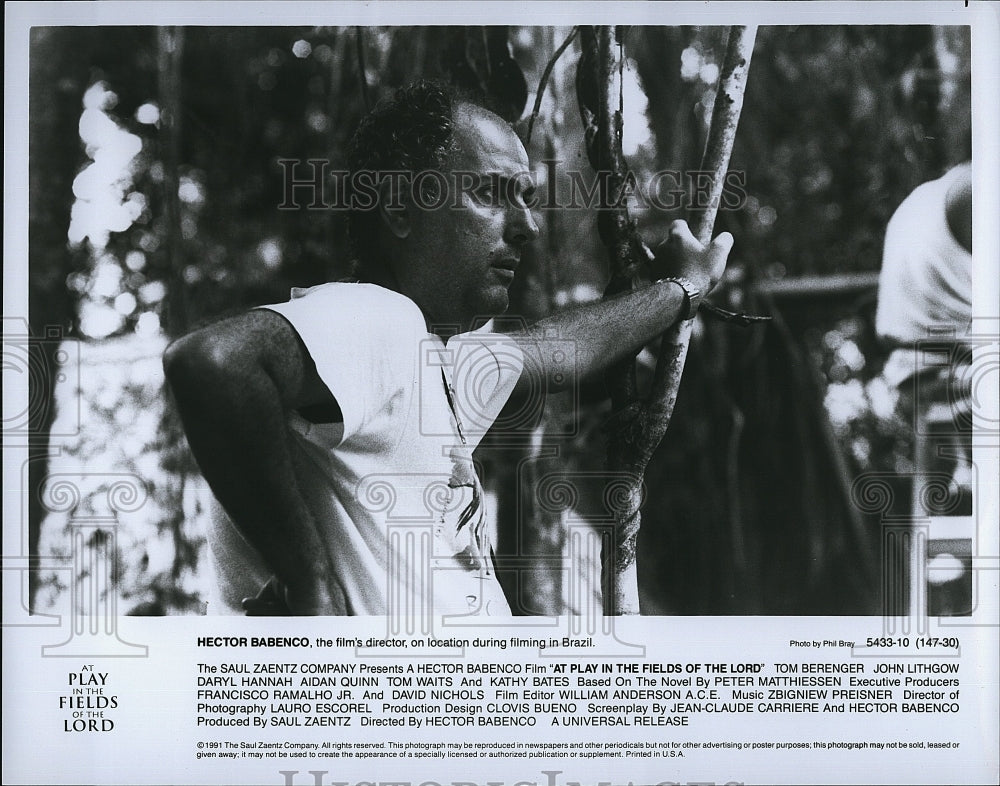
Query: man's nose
[[521, 226]]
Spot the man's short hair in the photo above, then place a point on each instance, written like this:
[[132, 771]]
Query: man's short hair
[[409, 132]]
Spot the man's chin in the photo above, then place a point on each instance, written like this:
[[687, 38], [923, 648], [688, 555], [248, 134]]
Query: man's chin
[[492, 302]]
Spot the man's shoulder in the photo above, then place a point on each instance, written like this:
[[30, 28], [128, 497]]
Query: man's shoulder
[[351, 304], [359, 303], [350, 291]]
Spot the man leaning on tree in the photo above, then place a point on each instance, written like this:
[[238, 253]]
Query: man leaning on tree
[[318, 421]]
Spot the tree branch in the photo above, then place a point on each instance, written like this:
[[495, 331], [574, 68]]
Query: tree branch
[[544, 81], [637, 425]]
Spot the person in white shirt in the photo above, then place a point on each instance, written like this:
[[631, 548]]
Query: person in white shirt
[[925, 300], [926, 277], [337, 429]]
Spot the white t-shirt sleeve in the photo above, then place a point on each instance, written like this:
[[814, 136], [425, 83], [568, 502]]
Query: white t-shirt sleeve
[[361, 338]]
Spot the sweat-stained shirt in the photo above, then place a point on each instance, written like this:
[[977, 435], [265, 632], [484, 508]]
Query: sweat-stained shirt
[[393, 489]]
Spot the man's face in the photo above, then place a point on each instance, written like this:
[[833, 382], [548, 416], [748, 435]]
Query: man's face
[[464, 254]]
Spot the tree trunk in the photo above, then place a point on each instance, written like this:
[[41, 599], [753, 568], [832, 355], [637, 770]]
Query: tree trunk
[[638, 424]]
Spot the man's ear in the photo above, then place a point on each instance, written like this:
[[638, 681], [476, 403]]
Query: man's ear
[[393, 209]]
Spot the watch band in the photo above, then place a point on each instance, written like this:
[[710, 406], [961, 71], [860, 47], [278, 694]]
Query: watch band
[[692, 295]]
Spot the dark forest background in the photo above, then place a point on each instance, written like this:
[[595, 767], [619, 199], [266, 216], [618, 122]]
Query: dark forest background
[[154, 190]]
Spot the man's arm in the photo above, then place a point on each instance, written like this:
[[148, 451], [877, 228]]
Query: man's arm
[[607, 330], [234, 383]]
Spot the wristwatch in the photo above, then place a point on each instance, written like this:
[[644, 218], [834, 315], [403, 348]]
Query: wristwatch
[[692, 295]]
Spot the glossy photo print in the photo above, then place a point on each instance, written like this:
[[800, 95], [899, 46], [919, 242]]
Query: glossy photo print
[[392, 398]]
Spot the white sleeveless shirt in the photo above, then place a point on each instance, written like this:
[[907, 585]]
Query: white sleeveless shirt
[[393, 487]]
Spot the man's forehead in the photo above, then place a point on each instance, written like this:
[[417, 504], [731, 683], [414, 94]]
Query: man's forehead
[[484, 143]]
